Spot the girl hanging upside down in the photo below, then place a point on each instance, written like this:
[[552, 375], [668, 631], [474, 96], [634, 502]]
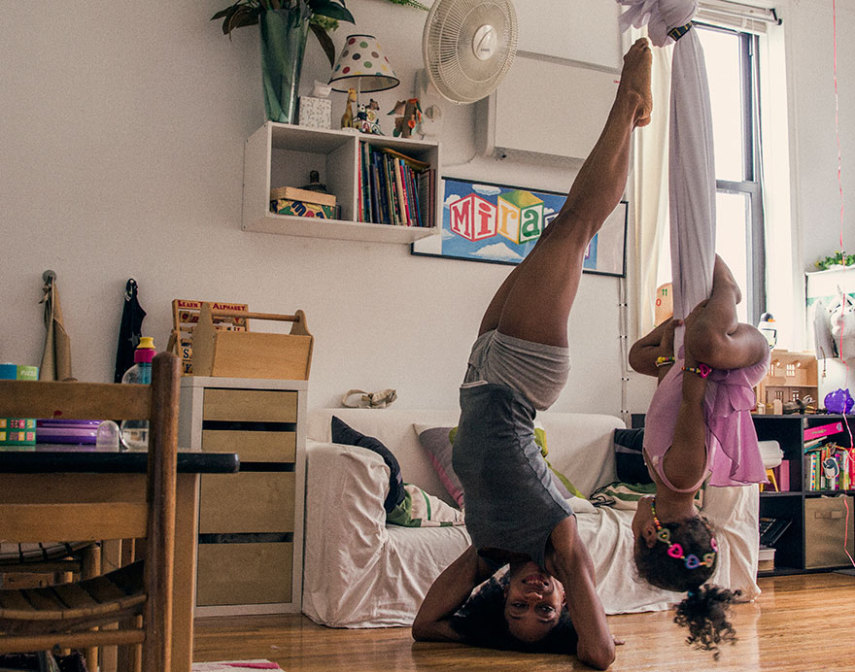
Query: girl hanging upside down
[[698, 426], [518, 365]]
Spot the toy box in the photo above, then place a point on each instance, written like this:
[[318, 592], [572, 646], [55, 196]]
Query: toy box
[[19, 433], [246, 354]]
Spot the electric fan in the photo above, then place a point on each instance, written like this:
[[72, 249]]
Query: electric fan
[[468, 46]]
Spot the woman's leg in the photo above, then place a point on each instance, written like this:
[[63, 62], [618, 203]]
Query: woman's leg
[[714, 334], [534, 301]]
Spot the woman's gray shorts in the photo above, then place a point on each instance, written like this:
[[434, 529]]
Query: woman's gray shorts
[[537, 371], [510, 500]]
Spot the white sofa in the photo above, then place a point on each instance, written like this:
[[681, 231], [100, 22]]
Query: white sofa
[[361, 572]]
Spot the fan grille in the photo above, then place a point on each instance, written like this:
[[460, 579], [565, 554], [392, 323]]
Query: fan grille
[[449, 51]]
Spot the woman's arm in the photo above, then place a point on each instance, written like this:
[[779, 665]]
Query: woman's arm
[[569, 560], [446, 595]]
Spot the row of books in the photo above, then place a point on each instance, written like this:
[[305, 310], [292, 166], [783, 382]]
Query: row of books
[[394, 188], [829, 466]]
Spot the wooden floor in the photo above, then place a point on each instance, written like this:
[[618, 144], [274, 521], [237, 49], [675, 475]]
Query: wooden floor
[[799, 624]]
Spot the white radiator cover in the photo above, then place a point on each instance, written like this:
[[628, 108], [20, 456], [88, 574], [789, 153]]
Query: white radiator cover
[[545, 109]]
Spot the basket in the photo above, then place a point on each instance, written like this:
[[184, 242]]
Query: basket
[[251, 354]]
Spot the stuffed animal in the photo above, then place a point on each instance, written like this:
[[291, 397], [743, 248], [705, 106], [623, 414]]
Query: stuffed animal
[[409, 117]]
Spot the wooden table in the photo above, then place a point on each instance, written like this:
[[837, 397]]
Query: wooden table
[[103, 490]]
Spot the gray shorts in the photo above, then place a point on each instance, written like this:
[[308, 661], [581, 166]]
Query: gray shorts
[[537, 371], [511, 504]]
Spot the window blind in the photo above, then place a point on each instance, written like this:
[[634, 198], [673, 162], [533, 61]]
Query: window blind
[[754, 16]]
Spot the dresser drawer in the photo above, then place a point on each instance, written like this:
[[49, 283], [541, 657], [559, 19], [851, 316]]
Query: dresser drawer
[[258, 573], [247, 502], [240, 405], [251, 445]]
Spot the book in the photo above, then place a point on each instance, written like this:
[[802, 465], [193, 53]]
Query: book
[[772, 529], [304, 195], [415, 164], [823, 430]]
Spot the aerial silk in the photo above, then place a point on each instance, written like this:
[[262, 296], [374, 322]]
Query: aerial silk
[[731, 438], [690, 155]]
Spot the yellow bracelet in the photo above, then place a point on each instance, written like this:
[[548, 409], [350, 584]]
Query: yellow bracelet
[[664, 361]]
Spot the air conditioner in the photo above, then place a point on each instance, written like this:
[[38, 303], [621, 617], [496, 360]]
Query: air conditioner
[[545, 109]]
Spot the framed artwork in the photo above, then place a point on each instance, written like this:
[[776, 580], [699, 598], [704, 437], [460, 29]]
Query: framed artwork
[[500, 224]]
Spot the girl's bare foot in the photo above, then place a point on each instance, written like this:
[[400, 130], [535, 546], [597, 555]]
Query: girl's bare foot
[[635, 80]]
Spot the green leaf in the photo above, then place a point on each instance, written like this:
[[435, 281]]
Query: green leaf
[[334, 10], [325, 41]]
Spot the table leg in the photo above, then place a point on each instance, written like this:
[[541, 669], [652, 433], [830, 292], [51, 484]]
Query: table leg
[[184, 578]]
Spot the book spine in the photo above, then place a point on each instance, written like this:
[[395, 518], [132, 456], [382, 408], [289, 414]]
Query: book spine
[[390, 191], [403, 200], [823, 430]]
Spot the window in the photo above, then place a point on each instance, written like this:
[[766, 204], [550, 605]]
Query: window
[[733, 72]]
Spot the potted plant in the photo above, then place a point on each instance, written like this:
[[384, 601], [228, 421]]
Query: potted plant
[[285, 25]]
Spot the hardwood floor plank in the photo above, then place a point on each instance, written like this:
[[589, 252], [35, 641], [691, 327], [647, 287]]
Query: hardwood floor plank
[[801, 623]]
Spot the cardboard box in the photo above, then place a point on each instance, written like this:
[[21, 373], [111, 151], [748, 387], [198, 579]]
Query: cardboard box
[[286, 206], [826, 521], [306, 195], [315, 112]]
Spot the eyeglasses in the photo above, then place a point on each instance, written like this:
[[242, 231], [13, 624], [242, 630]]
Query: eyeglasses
[[675, 550]]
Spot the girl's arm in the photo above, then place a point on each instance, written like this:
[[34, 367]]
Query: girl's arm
[[686, 460], [446, 595], [646, 350]]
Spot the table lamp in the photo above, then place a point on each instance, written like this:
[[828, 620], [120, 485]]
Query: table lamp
[[363, 68]]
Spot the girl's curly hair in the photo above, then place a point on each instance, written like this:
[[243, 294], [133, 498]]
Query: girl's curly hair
[[704, 611], [481, 622]]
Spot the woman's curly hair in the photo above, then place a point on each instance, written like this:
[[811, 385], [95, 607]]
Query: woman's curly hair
[[481, 622], [704, 611]]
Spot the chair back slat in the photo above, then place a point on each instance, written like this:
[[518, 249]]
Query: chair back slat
[[74, 400]]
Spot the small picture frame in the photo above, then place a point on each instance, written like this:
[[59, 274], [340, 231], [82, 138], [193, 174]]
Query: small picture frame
[[500, 224]]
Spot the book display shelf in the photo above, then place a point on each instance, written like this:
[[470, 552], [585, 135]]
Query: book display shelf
[[279, 155], [809, 521]]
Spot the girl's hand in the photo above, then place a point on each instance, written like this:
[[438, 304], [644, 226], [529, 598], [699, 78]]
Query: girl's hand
[[666, 344]]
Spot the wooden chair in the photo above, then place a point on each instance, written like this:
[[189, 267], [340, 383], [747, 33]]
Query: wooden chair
[[64, 615]]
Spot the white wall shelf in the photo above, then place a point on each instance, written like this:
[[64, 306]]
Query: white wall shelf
[[283, 154]]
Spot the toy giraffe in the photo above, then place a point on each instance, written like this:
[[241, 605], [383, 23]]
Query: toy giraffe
[[347, 117]]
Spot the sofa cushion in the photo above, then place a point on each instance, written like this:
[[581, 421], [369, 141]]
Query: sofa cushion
[[437, 442], [344, 433], [629, 460]]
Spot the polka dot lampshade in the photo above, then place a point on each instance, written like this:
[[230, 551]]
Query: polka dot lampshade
[[362, 66]]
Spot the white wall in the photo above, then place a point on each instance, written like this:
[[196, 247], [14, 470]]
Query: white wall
[[122, 146]]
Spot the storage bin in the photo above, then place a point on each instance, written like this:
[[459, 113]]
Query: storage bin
[[826, 523]]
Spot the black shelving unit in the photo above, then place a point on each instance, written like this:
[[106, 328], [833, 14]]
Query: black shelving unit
[[791, 547]]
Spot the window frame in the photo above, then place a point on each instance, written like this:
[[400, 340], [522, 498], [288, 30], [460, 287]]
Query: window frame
[[751, 186]]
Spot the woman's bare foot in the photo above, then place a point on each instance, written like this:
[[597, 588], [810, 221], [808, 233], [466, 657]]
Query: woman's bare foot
[[635, 80]]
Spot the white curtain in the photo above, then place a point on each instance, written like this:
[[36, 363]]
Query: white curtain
[[651, 263]]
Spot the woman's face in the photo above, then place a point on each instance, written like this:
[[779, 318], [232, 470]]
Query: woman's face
[[533, 602]]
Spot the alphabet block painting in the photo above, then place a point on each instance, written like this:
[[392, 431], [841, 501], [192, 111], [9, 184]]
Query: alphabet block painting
[[501, 224]]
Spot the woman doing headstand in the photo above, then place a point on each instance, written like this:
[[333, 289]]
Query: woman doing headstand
[[518, 365]]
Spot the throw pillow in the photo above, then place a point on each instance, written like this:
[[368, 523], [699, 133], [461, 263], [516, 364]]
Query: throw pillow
[[344, 433], [438, 441], [419, 509], [629, 460]]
